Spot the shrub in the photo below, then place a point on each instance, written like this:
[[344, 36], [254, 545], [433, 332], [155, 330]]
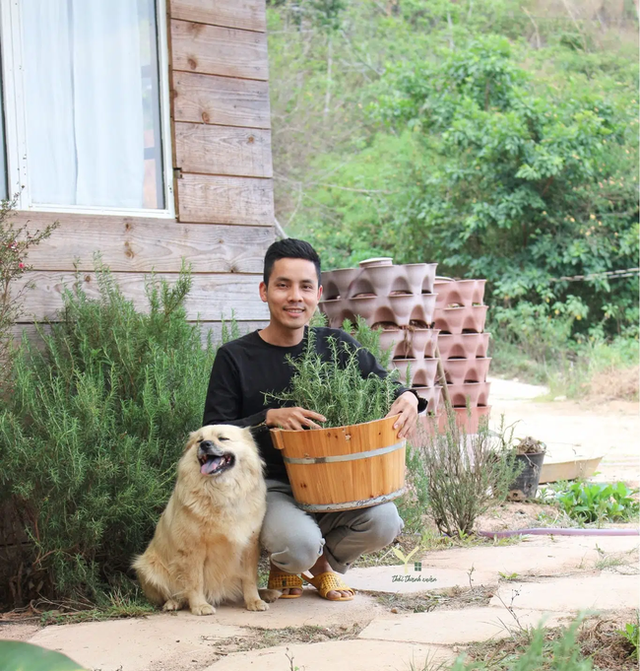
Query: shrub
[[465, 474], [98, 416]]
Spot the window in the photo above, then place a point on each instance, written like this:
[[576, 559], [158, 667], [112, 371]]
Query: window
[[85, 103], [3, 151]]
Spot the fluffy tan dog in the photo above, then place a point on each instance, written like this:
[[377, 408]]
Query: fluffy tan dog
[[205, 549]]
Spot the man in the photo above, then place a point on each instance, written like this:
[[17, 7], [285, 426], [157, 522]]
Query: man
[[298, 544]]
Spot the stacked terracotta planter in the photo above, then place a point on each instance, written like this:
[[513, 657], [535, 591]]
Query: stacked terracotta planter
[[398, 300], [460, 317]]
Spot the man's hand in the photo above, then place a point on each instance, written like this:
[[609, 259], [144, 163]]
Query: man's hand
[[406, 405], [293, 418]]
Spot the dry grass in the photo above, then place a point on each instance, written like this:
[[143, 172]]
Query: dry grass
[[598, 639], [451, 598], [256, 638]]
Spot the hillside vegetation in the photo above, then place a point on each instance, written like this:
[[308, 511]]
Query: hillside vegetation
[[498, 138]]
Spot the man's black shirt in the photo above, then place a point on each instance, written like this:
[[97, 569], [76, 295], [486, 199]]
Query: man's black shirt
[[246, 368]]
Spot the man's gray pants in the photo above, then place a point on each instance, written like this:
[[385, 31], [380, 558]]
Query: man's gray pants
[[295, 539]]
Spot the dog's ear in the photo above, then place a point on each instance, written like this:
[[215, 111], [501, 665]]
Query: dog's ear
[[256, 431], [194, 436]]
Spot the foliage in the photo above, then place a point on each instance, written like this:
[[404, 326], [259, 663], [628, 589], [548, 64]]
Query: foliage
[[484, 136], [21, 656], [563, 654], [631, 633], [414, 503], [589, 502], [15, 242], [97, 420], [465, 474], [369, 338], [335, 387]]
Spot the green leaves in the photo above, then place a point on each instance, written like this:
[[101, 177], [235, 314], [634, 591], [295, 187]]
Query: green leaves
[[589, 502], [496, 160], [98, 418], [20, 656], [334, 386]]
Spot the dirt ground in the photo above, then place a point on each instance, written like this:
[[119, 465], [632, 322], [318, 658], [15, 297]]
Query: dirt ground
[[574, 428]]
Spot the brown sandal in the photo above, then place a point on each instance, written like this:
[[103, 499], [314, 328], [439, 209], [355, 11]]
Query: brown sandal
[[328, 582], [280, 580]]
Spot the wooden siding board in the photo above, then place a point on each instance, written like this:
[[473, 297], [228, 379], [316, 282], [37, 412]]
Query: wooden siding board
[[206, 327], [139, 245], [221, 150], [212, 297], [220, 100], [244, 14], [213, 50], [225, 200]]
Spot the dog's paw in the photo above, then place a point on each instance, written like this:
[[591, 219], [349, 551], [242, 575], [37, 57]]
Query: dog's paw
[[202, 609], [171, 604], [257, 604], [270, 595]]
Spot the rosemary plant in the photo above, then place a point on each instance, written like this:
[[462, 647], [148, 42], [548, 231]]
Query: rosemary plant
[[89, 439], [335, 387]]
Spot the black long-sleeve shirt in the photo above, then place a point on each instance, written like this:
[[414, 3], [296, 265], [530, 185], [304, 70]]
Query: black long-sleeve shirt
[[246, 368]]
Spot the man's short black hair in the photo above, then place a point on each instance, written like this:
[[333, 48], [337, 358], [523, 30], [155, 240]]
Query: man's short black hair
[[289, 248]]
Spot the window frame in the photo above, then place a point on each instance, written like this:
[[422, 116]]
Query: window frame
[[17, 161]]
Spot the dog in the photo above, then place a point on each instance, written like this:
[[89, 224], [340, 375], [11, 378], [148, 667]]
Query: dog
[[205, 549]]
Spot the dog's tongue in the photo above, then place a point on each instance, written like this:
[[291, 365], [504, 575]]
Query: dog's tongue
[[210, 465]]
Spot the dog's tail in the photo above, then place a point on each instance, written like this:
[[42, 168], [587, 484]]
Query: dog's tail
[[153, 578]]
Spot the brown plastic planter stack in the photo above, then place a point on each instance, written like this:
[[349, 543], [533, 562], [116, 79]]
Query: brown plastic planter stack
[[460, 317], [398, 300]]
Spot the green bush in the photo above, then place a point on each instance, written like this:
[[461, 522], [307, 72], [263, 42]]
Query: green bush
[[90, 436]]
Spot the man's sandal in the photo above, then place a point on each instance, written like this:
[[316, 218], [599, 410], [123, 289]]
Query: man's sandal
[[280, 580], [328, 582]]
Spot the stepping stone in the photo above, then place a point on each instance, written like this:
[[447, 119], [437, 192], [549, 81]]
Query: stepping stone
[[310, 609], [548, 557], [449, 627], [395, 580], [355, 655], [603, 592], [137, 644]]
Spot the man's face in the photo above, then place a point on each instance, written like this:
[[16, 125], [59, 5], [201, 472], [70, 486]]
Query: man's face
[[292, 293]]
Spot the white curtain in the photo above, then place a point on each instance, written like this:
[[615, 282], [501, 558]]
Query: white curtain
[[84, 102]]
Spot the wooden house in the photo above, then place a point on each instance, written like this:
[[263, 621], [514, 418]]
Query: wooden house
[[142, 127]]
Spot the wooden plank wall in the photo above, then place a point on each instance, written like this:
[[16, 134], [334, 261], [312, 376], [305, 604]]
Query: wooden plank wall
[[221, 144], [223, 186]]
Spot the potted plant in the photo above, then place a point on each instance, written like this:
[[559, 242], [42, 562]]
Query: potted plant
[[356, 459], [530, 454]]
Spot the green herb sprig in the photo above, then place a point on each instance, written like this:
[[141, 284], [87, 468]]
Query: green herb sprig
[[335, 387]]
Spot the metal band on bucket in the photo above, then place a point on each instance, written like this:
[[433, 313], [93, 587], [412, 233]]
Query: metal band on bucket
[[350, 505], [345, 457]]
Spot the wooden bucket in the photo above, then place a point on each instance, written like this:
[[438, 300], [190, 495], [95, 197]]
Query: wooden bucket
[[343, 468]]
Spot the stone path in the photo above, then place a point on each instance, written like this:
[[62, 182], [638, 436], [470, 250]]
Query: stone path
[[541, 579]]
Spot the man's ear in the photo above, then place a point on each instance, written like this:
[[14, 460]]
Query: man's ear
[[320, 288], [263, 292]]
